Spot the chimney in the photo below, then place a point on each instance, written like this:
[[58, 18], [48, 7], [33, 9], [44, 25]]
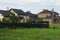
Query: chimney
[[52, 15], [7, 8], [52, 9]]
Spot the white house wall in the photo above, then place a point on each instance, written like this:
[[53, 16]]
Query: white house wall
[[1, 16], [14, 13]]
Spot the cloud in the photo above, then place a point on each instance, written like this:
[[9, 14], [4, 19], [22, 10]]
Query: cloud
[[33, 5], [20, 0], [4, 0], [57, 3], [27, 1]]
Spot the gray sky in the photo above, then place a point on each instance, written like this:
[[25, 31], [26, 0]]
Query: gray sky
[[35, 6]]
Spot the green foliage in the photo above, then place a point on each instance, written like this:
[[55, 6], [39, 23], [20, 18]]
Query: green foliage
[[5, 20], [14, 19], [29, 21], [39, 20], [0, 21], [54, 26], [11, 19]]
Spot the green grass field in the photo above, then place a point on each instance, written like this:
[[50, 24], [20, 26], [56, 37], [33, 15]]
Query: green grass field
[[31, 33], [57, 26]]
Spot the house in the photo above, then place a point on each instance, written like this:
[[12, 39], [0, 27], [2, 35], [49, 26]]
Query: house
[[50, 16], [4, 14], [24, 16], [31, 16]]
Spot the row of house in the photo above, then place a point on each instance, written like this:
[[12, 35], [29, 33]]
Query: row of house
[[46, 15], [18, 12]]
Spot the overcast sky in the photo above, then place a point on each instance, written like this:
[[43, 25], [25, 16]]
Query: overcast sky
[[35, 6]]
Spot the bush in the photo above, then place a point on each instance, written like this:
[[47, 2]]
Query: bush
[[5, 20], [29, 21], [54, 27], [39, 20], [11, 19]]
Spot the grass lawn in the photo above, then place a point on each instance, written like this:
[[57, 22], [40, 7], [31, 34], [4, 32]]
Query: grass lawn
[[57, 26], [30, 34]]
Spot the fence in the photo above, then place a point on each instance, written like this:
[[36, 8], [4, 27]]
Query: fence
[[25, 25]]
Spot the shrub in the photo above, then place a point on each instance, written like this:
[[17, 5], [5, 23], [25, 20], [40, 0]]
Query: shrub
[[29, 21], [39, 20]]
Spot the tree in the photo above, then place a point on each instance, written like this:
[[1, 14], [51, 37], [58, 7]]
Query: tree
[[29, 21], [14, 19], [11, 19], [5, 20], [39, 20]]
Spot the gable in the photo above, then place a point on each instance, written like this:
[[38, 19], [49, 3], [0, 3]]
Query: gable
[[43, 15], [4, 13], [1, 16], [18, 11], [12, 11]]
